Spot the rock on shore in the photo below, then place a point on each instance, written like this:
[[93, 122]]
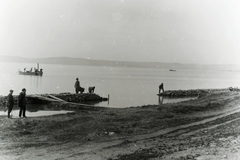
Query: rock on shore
[[80, 97]]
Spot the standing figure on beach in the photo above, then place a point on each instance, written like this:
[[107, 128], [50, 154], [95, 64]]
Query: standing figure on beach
[[77, 85], [22, 103], [161, 88], [10, 102]]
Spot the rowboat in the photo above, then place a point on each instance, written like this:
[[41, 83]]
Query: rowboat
[[36, 72]]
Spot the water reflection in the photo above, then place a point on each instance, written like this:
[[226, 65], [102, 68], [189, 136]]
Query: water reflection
[[35, 110], [36, 107], [160, 100], [14, 113], [164, 100], [32, 81], [94, 103]]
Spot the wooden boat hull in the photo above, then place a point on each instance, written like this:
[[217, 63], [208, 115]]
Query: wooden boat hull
[[30, 73]]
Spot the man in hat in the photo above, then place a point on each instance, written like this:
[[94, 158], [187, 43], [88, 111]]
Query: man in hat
[[77, 85], [10, 102], [22, 103]]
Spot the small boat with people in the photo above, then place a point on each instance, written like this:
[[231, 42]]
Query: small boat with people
[[32, 72]]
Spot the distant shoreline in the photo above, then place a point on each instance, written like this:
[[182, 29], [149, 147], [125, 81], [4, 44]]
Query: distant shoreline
[[92, 62]]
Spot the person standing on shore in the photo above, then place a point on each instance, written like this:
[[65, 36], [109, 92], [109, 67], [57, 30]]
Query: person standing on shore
[[22, 103], [10, 102], [77, 85], [161, 88]]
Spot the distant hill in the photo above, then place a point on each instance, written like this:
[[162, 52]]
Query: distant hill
[[90, 62]]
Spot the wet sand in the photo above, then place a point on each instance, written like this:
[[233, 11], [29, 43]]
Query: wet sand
[[202, 128]]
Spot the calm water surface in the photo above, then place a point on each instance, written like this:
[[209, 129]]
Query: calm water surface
[[14, 113], [126, 86]]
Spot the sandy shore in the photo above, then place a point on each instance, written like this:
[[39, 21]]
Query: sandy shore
[[203, 128]]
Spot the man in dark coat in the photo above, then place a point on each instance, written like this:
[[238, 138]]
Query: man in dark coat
[[77, 85], [22, 103], [10, 102]]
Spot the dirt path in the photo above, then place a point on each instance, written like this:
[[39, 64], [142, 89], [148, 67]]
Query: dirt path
[[212, 138], [119, 145], [113, 148]]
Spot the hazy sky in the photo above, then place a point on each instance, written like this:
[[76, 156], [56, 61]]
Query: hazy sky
[[184, 31]]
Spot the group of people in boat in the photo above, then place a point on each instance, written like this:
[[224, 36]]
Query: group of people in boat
[[31, 70]]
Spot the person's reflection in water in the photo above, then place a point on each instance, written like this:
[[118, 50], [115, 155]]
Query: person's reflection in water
[[160, 100]]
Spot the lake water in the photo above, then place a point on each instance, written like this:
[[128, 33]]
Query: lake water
[[15, 113], [126, 86], [35, 110]]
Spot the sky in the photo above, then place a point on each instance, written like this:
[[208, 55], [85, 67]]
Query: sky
[[186, 31]]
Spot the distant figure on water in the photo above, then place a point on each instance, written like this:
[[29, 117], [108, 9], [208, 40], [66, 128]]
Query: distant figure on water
[[22, 103], [161, 88], [91, 89], [10, 102], [77, 86]]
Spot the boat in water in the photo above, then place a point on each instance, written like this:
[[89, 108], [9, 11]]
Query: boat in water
[[31, 72]]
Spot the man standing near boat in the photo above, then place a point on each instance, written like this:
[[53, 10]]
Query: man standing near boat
[[77, 85], [22, 103], [10, 102]]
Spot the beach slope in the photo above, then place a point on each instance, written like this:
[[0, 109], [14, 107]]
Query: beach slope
[[202, 128]]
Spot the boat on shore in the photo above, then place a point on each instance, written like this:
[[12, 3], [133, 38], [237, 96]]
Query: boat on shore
[[35, 72]]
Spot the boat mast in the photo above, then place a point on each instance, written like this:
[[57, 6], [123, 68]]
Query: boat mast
[[38, 66]]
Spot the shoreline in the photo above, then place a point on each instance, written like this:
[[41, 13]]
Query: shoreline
[[87, 97], [186, 130], [194, 92], [61, 97]]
